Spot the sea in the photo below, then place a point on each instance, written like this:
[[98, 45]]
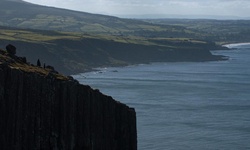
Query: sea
[[185, 105]]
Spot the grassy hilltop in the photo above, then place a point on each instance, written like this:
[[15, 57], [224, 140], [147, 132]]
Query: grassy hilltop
[[26, 15]]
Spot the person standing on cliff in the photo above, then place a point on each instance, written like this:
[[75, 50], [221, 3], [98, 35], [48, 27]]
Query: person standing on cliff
[[38, 63]]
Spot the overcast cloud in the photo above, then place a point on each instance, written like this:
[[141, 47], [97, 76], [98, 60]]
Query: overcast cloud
[[239, 8]]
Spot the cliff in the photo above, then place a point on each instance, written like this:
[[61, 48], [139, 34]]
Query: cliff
[[72, 56], [41, 109]]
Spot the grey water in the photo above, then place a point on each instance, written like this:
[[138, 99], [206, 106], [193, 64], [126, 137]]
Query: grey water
[[185, 105]]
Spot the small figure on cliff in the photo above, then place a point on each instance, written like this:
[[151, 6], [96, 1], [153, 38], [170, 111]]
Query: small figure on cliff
[[11, 49], [38, 63]]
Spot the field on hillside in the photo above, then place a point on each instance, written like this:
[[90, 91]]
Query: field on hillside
[[72, 52], [219, 31]]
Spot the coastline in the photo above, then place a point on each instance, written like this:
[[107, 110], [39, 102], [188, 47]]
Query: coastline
[[99, 69], [232, 45]]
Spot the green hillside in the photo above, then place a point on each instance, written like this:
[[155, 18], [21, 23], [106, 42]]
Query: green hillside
[[74, 42], [220, 31], [26, 15], [71, 52], [16, 13]]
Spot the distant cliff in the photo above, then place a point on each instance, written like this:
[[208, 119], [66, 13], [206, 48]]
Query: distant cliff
[[40, 109], [72, 56]]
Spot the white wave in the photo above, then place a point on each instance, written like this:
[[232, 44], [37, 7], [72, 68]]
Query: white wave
[[233, 45]]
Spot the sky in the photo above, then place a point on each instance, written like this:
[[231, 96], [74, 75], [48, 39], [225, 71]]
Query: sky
[[239, 8]]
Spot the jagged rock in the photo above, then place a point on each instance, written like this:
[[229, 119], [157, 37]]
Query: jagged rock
[[50, 67], [72, 79], [23, 59], [11, 49], [39, 113]]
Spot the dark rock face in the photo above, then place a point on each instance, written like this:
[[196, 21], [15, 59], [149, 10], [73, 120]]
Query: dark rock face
[[38, 113], [11, 49]]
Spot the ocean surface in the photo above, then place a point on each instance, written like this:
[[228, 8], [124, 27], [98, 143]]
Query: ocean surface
[[185, 105]]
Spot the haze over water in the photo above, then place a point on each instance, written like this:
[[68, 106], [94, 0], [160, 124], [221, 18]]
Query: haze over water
[[185, 105]]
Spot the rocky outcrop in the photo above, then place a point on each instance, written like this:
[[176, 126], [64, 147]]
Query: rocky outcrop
[[40, 110]]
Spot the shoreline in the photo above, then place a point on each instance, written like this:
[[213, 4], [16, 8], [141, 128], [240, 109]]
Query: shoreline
[[100, 69], [232, 45], [212, 57]]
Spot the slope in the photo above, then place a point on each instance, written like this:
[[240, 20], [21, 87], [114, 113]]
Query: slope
[[73, 52], [26, 15]]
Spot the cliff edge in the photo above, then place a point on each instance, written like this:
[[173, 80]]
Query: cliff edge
[[41, 109]]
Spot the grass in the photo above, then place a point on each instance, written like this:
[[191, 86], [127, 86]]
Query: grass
[[38, 36], [72, 52], [29, 36], [219, 31], [16, 63]]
